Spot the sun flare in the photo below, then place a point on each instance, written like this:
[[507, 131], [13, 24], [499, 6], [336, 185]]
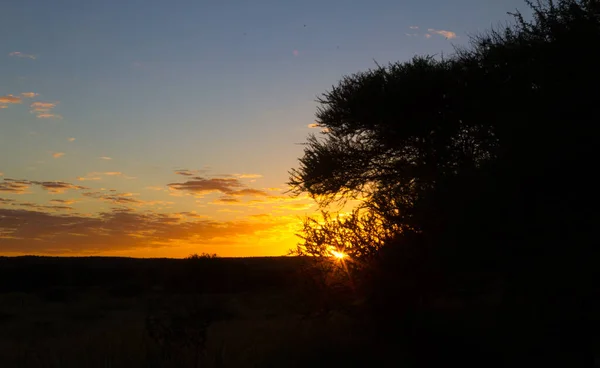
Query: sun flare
[[338, 255]]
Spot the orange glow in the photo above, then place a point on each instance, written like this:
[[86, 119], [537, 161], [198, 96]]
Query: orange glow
[[338, 255]]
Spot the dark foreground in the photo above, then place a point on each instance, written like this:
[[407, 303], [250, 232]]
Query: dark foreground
[[252, 312], [118, 312]]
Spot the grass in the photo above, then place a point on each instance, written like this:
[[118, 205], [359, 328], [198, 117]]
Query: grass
[[60, 326]]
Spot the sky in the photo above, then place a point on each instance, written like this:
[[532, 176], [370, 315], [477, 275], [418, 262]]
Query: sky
[[161, 129]]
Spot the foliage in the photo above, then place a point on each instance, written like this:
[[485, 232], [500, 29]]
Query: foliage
[[476, 166], [202, 256]]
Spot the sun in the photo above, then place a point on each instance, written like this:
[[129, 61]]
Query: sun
[[338, 255]]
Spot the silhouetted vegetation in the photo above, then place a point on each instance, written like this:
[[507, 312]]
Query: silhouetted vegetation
[[472, 243], [477, 170]]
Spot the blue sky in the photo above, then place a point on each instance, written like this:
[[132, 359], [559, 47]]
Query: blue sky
[[224, 87]]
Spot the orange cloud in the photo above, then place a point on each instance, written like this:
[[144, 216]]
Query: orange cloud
[[14, 186], [19, 54], [42, 106], [71, 139], [40, 232], [226, 201], [57, 187], [43, 110], [313, 125], [248, 176], [58, 154], [29, 94], [105, 158], [63, 201], [154, 188], [202, 186], [10, 99], [448, 34]]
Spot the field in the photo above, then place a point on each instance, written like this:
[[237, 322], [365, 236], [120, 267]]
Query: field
[[120, 312]]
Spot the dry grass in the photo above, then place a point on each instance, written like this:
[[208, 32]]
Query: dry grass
[[96, 330]]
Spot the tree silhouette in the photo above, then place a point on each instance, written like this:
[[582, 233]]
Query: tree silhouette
[[481, 164]]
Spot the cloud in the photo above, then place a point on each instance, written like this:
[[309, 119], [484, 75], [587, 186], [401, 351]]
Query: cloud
[[58, 154], [21, 186], [202, 186], [105, 158], [19, 54], [57, 187], [71, 139], [413, 27], [40, 207], [49, 116], [99, 175], [448, 34], [29, 94], [249, 193], [63, 201], [157, 188], [88, 178], [427, 35], [31, 230], [226, 201], [14, 186], [186, 172], [43, 110], [42, 106], [232, 187], [296, 52], [125, 198], [248, 176], [10, 99], [313, 125]]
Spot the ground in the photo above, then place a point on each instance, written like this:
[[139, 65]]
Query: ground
[[107, 312]]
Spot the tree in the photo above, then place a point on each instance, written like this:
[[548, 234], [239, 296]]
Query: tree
[[481, 163]]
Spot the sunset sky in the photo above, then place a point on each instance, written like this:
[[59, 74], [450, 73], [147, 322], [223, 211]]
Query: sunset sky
[[164, 128]]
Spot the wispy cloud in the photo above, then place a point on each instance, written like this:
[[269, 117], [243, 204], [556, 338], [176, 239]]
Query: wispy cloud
[[105, 158], [20, 186], [34, 231], [448, 34], [63, 201], [202, 186], [19, 54], [71, 139], [43, 110], [14, 186], [313, 125], [9, 100], [58, 154], [427, 35], [89, 177], [413, 27], [29, 94], [99, 175], [154, 188], [57, 187], [248, 176]]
